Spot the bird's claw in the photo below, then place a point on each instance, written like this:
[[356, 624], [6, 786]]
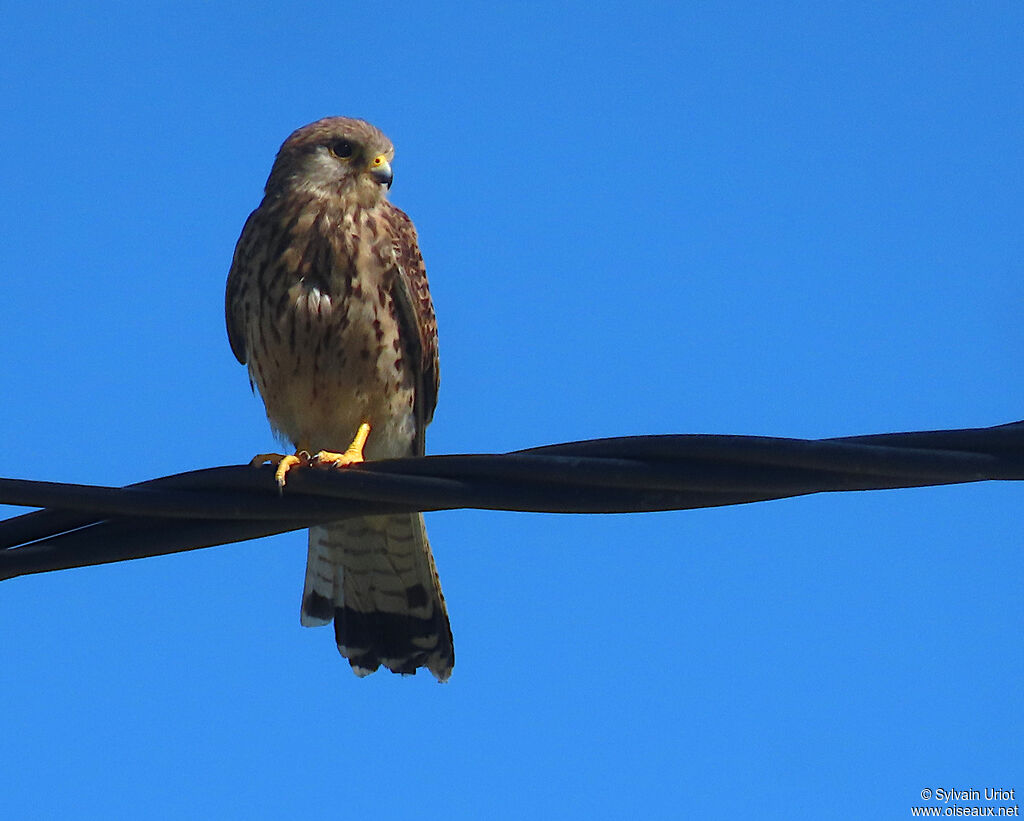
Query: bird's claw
[[329, 459], [352, 456], [324, 459], [284, 463]]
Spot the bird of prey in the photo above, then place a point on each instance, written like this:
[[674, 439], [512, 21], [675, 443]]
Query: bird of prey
[[327, 304]]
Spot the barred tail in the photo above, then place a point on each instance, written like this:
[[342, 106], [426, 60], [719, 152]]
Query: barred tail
[[375, 577]]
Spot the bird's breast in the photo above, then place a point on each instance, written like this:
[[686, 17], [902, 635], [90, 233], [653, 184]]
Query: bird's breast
[[333, 354]]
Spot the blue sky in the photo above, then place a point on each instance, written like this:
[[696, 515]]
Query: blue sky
[[794, 219]]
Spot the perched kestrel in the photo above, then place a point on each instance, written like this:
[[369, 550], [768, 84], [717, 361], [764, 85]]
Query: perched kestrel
[[327, 303]]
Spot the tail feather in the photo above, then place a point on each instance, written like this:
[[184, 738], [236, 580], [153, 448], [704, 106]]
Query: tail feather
[[375, 576], [318, 593]]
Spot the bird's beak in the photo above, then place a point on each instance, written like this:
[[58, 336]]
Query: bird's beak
[[380, 170]]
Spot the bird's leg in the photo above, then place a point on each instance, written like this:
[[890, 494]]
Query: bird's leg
[[353, 455], [284, 462]]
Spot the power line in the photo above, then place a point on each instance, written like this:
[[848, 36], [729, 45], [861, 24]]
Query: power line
[[82, 525]]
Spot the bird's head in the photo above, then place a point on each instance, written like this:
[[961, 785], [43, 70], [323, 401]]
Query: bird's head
[[336, 156]]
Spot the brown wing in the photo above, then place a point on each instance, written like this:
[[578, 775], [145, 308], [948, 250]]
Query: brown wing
[[416, 316], [239, 281]]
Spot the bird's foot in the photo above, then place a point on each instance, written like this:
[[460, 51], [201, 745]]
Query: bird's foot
[[284, 462], [353, 455]]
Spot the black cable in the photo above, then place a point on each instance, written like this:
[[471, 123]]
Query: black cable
[[86, 524]]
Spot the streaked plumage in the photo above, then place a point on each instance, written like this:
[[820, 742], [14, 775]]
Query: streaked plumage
[[328, 304]]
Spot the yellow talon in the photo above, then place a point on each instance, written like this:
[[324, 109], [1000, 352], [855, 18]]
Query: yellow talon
[[353, 455], [284, 462]]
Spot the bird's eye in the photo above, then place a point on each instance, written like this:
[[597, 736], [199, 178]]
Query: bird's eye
[[342, 149]]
